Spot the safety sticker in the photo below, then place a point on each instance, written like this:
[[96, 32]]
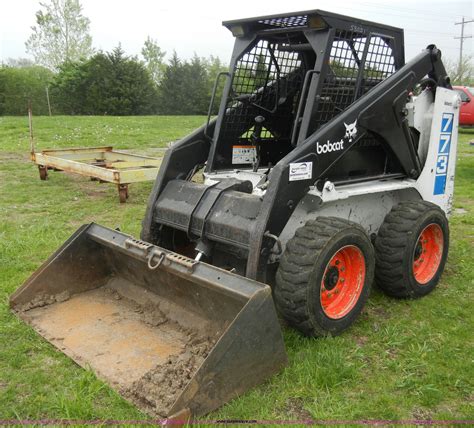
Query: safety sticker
[[243, 154], [301, 171], [443, 153]]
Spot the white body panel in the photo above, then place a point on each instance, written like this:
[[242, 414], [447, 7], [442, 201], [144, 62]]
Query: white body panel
[[436, 182]]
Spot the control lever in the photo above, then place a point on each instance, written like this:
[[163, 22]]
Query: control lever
[[256, 138]]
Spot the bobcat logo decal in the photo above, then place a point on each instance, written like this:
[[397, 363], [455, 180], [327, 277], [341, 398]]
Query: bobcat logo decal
[[351, 130]]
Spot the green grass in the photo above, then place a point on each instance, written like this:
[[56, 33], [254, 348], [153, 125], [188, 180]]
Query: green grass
[[403, 359]]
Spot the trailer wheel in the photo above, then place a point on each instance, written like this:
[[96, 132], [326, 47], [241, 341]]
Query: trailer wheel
[[411, 249], [324, 276], [43, 172], [123, 193]]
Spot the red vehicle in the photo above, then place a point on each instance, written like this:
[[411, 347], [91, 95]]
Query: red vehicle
[[466, 115]]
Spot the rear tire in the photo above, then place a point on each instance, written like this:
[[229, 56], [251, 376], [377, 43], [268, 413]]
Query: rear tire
[[411, 249], [324, 276]]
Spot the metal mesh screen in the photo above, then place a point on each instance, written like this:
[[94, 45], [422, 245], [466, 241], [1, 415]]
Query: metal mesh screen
[[263, 79], [345, 82], [339, 88], [379, 63]]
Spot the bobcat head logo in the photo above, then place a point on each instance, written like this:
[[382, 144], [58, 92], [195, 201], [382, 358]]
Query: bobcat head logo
[[351, 130]]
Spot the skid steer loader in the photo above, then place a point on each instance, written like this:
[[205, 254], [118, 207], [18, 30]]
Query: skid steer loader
[[330, 164]]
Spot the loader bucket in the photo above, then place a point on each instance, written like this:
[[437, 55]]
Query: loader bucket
[[172, 335]]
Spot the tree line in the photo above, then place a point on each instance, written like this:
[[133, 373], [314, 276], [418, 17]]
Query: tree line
[[68, 76], [111, 83]]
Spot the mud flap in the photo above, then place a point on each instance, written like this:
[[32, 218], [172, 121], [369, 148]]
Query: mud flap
[[172, 335]]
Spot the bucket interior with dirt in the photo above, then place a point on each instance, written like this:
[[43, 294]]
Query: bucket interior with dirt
[[169, 334]]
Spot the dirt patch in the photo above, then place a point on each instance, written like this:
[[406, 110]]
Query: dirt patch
[[153, 315], [378, 312], [460, 211], [160, 387], [392, 353], [420, 414], [94, 193], [7, 156], [43, 300], [361, 340], [133, 341], [294, 408], [150, 313]]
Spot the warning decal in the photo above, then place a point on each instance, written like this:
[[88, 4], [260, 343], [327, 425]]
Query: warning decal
[[243, 154]]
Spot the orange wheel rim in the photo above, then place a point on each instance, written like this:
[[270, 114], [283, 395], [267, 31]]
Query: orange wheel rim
[[428, 253], [343, 281]]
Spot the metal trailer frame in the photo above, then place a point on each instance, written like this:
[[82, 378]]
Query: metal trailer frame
[[99, 163]]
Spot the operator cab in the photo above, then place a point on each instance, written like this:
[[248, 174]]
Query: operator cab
[[290, 75]]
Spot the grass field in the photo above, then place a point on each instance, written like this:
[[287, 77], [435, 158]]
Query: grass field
[[403, 359]]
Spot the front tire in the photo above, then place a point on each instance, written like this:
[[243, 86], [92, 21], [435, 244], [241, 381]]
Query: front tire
[[411, 249], [324, 276]]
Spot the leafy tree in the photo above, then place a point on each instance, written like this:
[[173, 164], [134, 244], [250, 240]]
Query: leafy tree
[[340, 70], [69, 88], [107, 83], [214, 66], [461, 73], [261, 72], [248, 80], [370, 72], [153, 56], [61, 34], [20, 85]]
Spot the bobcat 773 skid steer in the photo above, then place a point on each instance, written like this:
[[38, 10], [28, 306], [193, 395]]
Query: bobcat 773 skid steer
[[321, 172]]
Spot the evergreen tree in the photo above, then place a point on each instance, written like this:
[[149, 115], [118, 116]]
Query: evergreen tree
[[108, 83], [187, 85], [198, 86], [172, 90]]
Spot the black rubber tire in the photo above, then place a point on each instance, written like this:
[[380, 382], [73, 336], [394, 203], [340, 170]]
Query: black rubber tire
[[395, 245], [301, 269]]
